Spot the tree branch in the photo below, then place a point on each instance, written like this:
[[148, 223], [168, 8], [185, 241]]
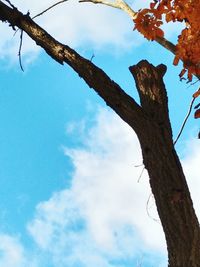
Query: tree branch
[[124, 105], [20, 49], [185, 120], [166, 177], [47, 9], [153, 95], [150, 122], [121, 4]]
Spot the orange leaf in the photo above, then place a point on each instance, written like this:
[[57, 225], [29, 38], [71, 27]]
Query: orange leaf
[[169, 17], [159, 33], [182, 73], [176, 60], [197, 93], [197, 114]]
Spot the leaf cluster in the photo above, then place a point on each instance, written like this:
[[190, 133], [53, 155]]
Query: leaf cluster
[[150, 19]]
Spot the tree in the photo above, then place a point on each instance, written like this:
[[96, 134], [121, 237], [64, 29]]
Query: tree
[[150, 120]]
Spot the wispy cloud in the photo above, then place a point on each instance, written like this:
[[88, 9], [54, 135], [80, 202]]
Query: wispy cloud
[[13, 254], [77, 24], [101, 219], [74, 24]]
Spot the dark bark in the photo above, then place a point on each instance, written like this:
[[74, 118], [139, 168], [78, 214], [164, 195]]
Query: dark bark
[[151, 123], [167, 180], [113, 95]]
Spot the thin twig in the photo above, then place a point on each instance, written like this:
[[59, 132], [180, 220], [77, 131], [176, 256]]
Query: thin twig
[[140, 165], [185, 120], [147, 209], [10, 4], [198, 105], [107, 3], [20, 48], [92, 57], [191, 84], [21, 35], [141, 174], [44, 11], [120, 4]]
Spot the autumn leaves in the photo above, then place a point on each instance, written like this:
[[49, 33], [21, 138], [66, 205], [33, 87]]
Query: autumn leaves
[[150, 19]]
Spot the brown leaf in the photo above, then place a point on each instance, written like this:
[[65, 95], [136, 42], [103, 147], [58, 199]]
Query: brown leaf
[[197, 114]]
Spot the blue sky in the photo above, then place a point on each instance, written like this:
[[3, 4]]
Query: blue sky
[[69, 190]]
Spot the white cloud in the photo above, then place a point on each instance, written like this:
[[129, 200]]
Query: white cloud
[[12, 252], [9, 46], [191, 168], [80, 25], [102, 216], [101, 219], [106, 180], [73, 23]]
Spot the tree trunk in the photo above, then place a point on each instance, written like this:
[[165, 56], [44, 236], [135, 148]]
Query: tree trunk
[[151, 123], [166, 176]]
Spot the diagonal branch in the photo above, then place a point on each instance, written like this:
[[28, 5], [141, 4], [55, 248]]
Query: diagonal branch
[[124, 105], [8, 1], [47, 9], [121, 4], [104, 2]]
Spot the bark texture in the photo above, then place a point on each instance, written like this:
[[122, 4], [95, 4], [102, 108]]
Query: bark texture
[[150, 121], [167, 179]]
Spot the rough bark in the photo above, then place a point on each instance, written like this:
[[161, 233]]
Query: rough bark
[[151, 123], [167, 179]]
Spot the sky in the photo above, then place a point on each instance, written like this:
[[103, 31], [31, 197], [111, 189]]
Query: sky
[[72, 190]]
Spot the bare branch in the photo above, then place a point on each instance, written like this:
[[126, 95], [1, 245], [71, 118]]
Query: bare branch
[[121, 4], [166, 44], [44, 11], [185, 120], [114, 96], [141, 174], [147, 209], [107, 3], [20, 48]]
